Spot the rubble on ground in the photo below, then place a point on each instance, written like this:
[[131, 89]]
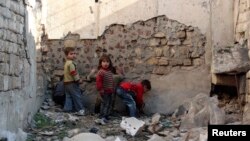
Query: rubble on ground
[[53, 124]]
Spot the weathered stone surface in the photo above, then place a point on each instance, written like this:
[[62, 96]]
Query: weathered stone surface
[[231, 60], [203, 110], [181, 34], [187, 62], [158, 52], [152, 61], [69, 43], [160, 35], [163, 61], [154, 42]]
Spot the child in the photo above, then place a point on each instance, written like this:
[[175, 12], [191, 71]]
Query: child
[[118, 76], [72, 80], [58, 95], [132, 95], [105, 87]]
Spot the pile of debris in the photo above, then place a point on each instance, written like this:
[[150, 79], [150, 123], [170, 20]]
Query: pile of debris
[[188, 122]]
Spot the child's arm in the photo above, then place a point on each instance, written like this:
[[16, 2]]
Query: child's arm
[[99, 83], [73, 72], [139, 98]]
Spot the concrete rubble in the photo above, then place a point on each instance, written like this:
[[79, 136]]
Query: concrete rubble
[[132, 125], [178, 126]]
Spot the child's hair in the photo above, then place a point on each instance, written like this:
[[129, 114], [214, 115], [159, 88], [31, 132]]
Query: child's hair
[[146, 83], [68, 49], [106, 58]]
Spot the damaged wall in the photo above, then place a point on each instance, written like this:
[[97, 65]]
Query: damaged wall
[[18, 97], [169, 53], [101, 24], [242, 32], [89, 19]]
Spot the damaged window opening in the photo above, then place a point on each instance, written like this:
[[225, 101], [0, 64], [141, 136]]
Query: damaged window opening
[[96, 1], [222, 91], [230, 90]]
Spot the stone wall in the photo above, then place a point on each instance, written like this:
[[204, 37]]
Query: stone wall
[[242, 32], [18, 98], [159, 49]]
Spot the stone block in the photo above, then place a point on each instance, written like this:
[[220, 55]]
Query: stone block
[[85, 136], [69, 43], [13, 59], [174, 42], [164, 41], [22, 9], [163, 61], [12, 25], [19, 27], [4, 68], [4, 24], [18, 67], [156, 118], [16, 82], [152, 61], [181, 34], [20, 40], [175, 62], [13, 37], [14, 6], [160, 35], [158, 52], [230, 59], [188, 41], [132, 125], [13, 48], [138, 52], [187, 62], [166, 51], [5, 12], [4, 83], [198, 62], [2, 57], [154, 42]]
